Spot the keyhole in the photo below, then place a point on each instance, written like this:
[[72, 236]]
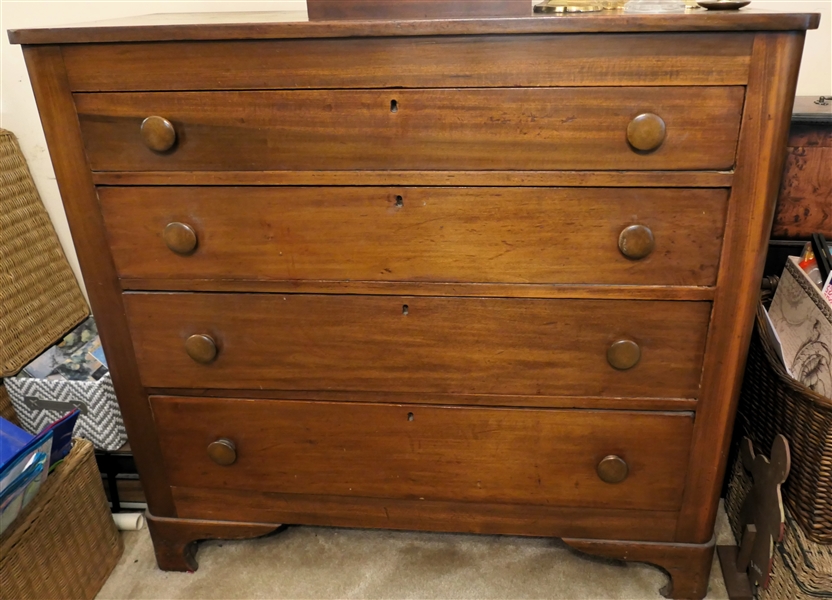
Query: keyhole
[[409, 416], [399, 201], [394, 106], [404, 309]]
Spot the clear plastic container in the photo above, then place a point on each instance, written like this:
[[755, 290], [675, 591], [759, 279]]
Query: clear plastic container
[[655, 6]]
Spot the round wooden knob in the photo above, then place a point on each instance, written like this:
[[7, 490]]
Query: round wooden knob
[[612, 469], [158, 134], [223, 452], [180, 237], [646, 132], [201, 348], [623, 354], [636, 241]]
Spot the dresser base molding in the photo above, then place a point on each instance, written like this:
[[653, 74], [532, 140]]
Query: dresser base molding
[[688, 565], [175, 540]]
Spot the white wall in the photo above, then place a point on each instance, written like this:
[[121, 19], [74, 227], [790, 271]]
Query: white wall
[[18, 112]]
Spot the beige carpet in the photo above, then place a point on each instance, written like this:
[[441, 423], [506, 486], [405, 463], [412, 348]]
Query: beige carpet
[[317, 562]]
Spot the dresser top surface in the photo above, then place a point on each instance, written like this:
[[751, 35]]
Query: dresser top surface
[[296, 24]]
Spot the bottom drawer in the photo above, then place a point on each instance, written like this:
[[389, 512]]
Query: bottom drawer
[[541, 457]]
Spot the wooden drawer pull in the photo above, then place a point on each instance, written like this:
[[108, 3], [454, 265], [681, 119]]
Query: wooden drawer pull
[[180, 237], [223, 452], [646, 132], [201, 348], [612, 469], [636, 241], [158, 134], [623, 354]]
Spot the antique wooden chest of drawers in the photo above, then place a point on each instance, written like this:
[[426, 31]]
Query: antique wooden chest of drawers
[[477, 275]]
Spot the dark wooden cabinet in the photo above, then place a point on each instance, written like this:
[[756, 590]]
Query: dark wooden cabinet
[[481, 275]]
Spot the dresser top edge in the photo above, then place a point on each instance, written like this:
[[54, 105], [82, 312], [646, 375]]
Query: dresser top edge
[[295, 24]]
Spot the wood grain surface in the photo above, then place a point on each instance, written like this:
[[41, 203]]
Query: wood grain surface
[[804, 206], [660, 179], [765, 129], [60, 125], [425, 515], [413, 397], [427, 288], [444, 129], [500, 235], [295, 24], [431, 453], [443, 345], [421, 62]]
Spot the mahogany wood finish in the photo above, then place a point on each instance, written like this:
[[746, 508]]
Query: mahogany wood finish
[[296, 25], [519, 235], [425, 515], [617, 179], [422, 62], [491, 400], [174, 540], [689, 565], [435, 453], [419, 249], [769, 100], [467, 129], [429, 344], [428, 288], [60, 124]]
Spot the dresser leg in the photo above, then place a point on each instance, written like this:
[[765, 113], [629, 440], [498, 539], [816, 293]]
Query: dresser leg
[[689, 565], [175, 540]]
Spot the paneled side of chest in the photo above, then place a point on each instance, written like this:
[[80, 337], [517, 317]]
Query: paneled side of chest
[[484, 283]]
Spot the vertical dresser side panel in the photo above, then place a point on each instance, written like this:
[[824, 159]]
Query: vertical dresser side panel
[[63, 135], [775, 62]]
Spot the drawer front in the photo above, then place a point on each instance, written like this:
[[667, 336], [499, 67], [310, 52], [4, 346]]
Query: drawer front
[[442, 129], [418, 344], [493, 235], [440, 61], [537, 457]]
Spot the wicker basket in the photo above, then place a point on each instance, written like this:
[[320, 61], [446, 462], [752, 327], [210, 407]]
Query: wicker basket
[[802, 569], [39, 297], [772, 402], [6, 408], [64, 544]]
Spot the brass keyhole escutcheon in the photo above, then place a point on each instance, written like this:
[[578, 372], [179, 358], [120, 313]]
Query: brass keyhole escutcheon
[[636, 242], [180, 237], [223, 452], [158, 134], [646, 132], [201, 348], [612, 469], [623, 354]]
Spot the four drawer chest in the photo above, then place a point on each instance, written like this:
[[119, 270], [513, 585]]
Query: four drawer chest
[[472, 275]]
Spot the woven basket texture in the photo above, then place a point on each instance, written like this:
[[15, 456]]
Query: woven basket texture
[[64, 544], [6, 408], [39, 297], [802, 569], [772, 402]]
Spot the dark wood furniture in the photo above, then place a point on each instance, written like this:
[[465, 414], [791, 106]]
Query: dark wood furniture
[[481, 275]]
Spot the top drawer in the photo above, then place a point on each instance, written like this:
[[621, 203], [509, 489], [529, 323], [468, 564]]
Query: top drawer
[[415, 62], [518, 129]]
